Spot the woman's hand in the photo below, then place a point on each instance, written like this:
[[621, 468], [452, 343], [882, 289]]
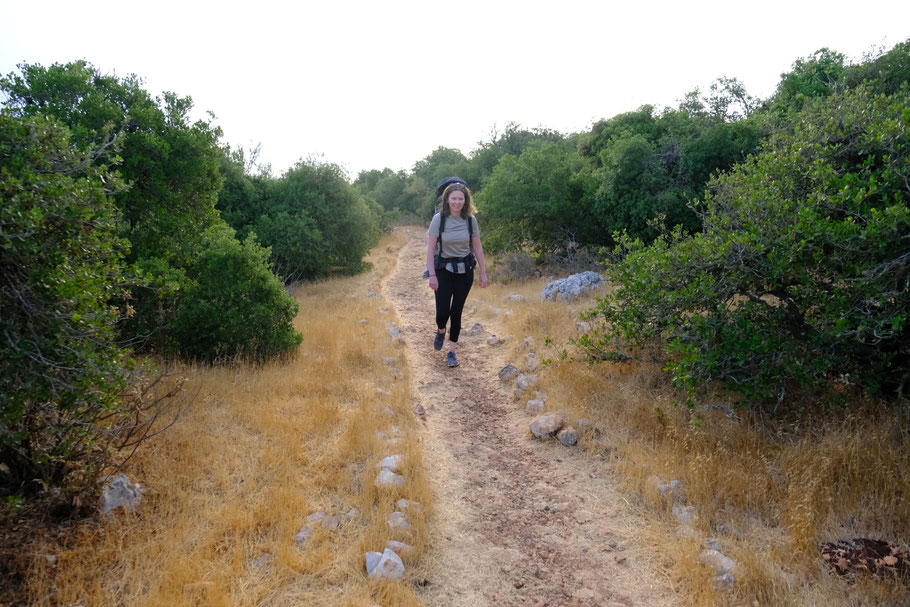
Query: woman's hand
[[434, 282], [483, 279]]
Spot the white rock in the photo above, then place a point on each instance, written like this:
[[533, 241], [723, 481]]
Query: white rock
[[321, 518], [546, 425], [724, 567], [526, 381], [388, 567], [718, 560], [119, 492], [303, 535], [372, 559], [527, 342], [573, 286], [687, 531], [523, 383], [406, 505], [477, 329], [532, 362], [685, 514], [508, 373], [670, 492], [397, 522], [534, 406], [494, 341], [351, 514], [516, 297], [583, 327], [391, 462], [387, 479]]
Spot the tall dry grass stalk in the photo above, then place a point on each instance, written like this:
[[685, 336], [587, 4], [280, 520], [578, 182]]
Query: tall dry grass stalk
[[768, 490], [228, 487]]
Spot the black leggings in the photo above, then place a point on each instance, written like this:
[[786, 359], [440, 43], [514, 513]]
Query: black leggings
[[450, 297]]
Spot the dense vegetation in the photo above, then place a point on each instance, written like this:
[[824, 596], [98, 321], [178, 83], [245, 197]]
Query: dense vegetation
[[313, 220], [799, 276], [61, 369], [797, 282], [113, 246], [758, 243]]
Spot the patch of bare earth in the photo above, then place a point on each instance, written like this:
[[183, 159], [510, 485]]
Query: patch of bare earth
[[515, 521]]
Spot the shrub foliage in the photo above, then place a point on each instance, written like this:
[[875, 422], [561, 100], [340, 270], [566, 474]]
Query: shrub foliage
[[235, 306], [60, 267], [800, 275]]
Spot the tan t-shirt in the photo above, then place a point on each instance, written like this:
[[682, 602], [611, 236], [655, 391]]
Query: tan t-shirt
[[456, 240]]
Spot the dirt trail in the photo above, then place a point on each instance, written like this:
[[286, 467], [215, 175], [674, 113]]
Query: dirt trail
[[516, 521]]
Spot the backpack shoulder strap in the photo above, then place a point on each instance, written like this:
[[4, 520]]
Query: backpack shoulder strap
[[442, 227]]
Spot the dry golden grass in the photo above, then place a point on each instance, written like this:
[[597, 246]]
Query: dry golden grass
[[228, 487], [769, 491]]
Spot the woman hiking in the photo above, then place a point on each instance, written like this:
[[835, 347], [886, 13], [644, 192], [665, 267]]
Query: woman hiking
[[454, 228]]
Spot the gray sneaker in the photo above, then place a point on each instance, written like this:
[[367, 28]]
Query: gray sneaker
[[451, 360]]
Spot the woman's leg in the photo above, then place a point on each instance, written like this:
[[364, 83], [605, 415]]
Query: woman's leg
[[444, 297], [461, 287]]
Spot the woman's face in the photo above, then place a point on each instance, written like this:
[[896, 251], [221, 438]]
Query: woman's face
[[456, 202]]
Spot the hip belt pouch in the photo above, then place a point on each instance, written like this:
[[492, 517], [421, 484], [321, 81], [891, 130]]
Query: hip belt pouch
[[469, 261]]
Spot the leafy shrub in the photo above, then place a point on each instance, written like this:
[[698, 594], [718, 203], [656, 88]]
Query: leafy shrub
[[61, 373], [800, 275], [235, 306]]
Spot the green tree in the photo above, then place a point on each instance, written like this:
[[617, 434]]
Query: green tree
[[533, 200], [61, 372], [235, 306], [646, 165], [814, 76], [800, 272], [314, 222], [513, 141], [170, 163], [884, 73]]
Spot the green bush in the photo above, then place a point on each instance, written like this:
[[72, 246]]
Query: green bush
[[235, 306], [800, 275], [61, 372]]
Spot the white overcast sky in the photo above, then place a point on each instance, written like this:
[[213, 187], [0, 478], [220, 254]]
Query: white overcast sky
[[382, 84]]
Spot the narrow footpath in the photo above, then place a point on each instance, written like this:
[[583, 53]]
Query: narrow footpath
[[516, 521]]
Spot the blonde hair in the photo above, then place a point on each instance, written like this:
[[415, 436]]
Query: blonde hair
[[467, 210]]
